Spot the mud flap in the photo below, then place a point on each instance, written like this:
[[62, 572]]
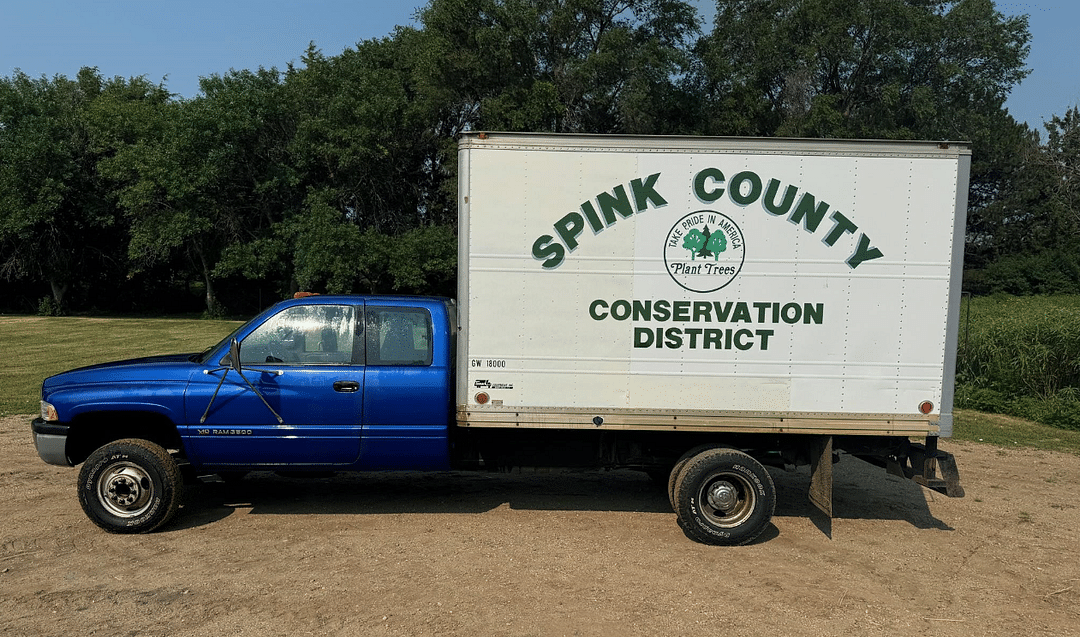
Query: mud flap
[[821, 474], [950, 474], [925, 466]]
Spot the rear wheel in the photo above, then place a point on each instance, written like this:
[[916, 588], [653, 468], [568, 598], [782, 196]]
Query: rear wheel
[[724, 496], [673, 479], [130, 486]]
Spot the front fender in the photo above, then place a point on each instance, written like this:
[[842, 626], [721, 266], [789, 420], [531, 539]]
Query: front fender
[[121, 406], [161, 399]]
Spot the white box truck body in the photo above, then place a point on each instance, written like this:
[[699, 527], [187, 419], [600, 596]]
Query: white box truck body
[[721, 284]]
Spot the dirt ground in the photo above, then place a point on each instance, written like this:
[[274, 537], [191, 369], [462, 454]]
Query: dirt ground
[[546, 554]]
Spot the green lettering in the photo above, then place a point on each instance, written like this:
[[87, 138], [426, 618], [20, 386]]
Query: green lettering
[[841, 225], [609, 204], [643, 337], [722, 310], [702, 311], [644, 193], [682, 311], [809, 210], [594, 310], [762, 308], [742, 313], [662, 310], [569, 228], [590, 214], [736, 188], [792, 312], [813, 313], [553, 253], [770, 198], [864, 252], [708, 196], [641, 310]]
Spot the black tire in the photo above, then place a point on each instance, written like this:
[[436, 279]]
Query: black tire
[[724, 497], [130, 486], [673, 479]]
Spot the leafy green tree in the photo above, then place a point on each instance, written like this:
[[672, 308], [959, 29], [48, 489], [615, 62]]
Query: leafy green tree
[[206, 173], [58, 221], [1027, 240], [600, 66], [858, 68], [371, 156], [1063, 158]]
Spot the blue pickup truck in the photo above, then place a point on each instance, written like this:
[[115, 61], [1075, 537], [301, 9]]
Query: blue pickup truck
[[623, 302], [316, 383]]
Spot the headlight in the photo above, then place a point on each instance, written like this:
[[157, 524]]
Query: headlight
[[48, 412]]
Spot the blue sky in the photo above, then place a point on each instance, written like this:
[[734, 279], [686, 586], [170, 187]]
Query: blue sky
[[180, 41]]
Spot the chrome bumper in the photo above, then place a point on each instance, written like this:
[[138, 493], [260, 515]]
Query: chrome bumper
[[50, 440]]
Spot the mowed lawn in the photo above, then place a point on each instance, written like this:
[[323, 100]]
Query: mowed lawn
[[32, 348]]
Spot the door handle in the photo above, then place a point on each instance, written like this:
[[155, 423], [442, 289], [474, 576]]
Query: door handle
[[346, 386]]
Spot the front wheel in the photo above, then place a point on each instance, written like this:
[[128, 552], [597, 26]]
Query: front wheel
[[725, 497], [130, 486]]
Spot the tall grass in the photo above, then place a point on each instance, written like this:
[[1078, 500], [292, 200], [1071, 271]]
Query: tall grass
[[32, 348], [1021, 356]]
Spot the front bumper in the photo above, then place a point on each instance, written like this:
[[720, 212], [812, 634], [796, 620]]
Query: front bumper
[[50, 440]]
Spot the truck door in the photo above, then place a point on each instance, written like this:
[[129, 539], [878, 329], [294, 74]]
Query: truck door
[[406, 391], [307, 362]]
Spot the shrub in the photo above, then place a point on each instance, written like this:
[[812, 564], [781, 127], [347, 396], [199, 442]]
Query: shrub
[[1021, 356], [48, 306]]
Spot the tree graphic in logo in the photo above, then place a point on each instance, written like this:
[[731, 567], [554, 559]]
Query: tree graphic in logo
[[705, 234], [717, 243], [704, 244], [695, 242]]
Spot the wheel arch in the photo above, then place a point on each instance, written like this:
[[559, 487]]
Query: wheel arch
[[91, 430]]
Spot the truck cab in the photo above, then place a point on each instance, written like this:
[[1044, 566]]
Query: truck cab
[[319, 382]]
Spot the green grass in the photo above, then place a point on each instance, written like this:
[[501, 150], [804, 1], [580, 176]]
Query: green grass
[[1021, 356], [1020, 346], [32, 348], [1007, 431]]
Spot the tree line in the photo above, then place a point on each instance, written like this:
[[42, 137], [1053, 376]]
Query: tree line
[[339, 174]]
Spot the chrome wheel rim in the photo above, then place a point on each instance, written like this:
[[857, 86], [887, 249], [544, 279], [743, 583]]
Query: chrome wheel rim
[[727, 499], [125, 490]]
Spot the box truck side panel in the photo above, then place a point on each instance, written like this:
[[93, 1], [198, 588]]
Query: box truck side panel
[[716, 279]]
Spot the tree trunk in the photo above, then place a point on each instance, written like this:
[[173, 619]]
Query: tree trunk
[[59, 289], [211, 298]]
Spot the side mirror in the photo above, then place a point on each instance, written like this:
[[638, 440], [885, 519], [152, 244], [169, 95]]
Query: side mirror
[[234, 354]]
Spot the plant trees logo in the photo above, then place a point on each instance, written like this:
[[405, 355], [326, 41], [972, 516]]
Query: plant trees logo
[[703, 251]]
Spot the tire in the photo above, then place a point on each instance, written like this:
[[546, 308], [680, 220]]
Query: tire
[[673, 479], [130, 486], [724, 497]]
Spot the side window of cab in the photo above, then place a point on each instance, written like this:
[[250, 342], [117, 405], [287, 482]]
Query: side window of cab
[[304, 335], [398, 336]]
